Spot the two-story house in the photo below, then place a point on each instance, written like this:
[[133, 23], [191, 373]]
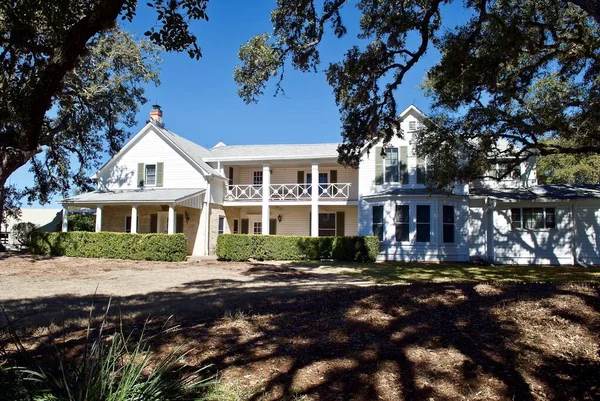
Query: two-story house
[[161, 182]]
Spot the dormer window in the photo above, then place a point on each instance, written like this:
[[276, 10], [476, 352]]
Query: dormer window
[[150, 174]]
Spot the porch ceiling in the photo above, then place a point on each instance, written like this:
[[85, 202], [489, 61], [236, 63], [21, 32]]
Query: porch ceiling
[[134, 196]]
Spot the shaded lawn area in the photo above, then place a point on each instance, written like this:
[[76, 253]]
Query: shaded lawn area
[[407, 273]]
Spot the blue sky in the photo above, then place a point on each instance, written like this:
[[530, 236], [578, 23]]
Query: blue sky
[[199, 98]]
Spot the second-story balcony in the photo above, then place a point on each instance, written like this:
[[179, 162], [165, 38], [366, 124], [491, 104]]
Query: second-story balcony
[[288, 192]]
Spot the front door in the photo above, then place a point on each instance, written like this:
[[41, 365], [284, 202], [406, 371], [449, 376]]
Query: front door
[[162, 223]]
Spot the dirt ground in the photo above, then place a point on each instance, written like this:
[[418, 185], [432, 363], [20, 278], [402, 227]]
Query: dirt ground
[[302, 333]]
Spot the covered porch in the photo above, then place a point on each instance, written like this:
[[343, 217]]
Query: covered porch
[[144, 211]]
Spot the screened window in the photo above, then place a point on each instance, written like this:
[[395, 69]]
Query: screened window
[[257, 227], [391, 165], [378, 222], [150, 174], [533, 217], [448, 224], [402, 223], [423, 223], [326, 224], [221, 225], [257, 178]]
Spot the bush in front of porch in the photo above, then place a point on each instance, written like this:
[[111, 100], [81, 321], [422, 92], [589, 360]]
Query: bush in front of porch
[[287, 247], [160, 247]]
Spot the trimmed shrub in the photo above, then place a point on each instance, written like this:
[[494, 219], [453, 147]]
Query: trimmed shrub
[[22, 231], [81, 222], [286, 247], [171, 248]]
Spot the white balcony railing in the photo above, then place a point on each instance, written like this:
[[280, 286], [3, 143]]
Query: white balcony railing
[[288, 192]]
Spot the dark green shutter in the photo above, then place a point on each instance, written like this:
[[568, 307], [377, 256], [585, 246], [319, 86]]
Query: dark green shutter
[[378, 166], [333, 177], [179, 223], [339, 224], [140, 176], [272, 227], [404, 164], [153, 223], [420, 171], [160, 168], [245, 224]]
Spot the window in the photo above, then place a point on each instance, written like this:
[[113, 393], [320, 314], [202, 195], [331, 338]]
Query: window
[[257, 178], [412, 125], [423, 223], [391, 165], [4, 237], [502, 168], [221, 225], [378, 222], [322, 182], [257, 227], [150, 174], [326, 224], [533, 218], [236, 226], [448, 224], [402, 223]]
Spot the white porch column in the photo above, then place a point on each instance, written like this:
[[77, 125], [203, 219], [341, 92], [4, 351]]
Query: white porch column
[[65, 221], [98, 218], [134, 219], [266, 186], [314, 201], [171, 223]]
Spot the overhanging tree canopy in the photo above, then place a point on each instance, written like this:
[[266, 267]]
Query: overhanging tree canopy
[[518, 72]]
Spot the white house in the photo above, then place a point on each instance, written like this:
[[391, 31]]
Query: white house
[[162, 182]]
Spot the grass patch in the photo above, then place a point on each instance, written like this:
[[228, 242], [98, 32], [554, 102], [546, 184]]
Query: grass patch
[[408, 273]]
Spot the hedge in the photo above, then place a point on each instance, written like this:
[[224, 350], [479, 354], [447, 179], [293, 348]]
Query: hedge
[[283, 247], [163, 247]]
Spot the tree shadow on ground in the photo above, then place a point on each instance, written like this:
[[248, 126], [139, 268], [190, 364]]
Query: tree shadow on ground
[[443, 341]]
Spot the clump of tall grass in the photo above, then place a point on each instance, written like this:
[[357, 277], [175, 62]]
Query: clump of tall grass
[[113, 366]]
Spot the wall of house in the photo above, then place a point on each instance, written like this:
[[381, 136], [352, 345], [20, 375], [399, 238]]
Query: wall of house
[[528, 246], [295, 220], [434, 250], [477, 226], [243, 175], [114, 220], [587, 231], [216, 211], [150, 148]]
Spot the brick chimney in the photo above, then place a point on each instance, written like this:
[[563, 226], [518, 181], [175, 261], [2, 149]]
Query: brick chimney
[[156, 114]]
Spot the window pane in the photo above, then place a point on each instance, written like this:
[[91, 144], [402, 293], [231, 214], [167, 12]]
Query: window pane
[[327, 221], [236, 226], [422, 232], [538, 216], [550, 218], [423, 214], [378, 222], [528, 218], [515, 217], [391, 165], [402, 232], [257, 227], [150, 174], [448, 233], [221, 225], [378, 231], [448, 214], [402, 214]]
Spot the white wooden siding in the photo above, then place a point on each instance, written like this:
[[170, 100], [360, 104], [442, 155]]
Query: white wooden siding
[[526, 246], [151, 149], [477, 228], [587, 233]]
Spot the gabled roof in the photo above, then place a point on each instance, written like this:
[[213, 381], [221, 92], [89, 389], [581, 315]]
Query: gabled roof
[[190, 150], [274, 152], [540, 192]]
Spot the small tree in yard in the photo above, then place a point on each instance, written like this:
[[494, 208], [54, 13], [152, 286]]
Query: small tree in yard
[[21, 232]]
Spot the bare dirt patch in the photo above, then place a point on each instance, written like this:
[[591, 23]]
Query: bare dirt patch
[[273, 332]]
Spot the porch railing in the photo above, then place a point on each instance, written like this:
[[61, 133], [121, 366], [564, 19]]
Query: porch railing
[[288, 192]]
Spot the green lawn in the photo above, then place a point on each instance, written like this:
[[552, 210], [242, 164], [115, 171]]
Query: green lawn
[[405, 273]]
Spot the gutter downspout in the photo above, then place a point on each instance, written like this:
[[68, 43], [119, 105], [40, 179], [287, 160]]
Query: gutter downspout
[[207, 218], [573, 246]]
